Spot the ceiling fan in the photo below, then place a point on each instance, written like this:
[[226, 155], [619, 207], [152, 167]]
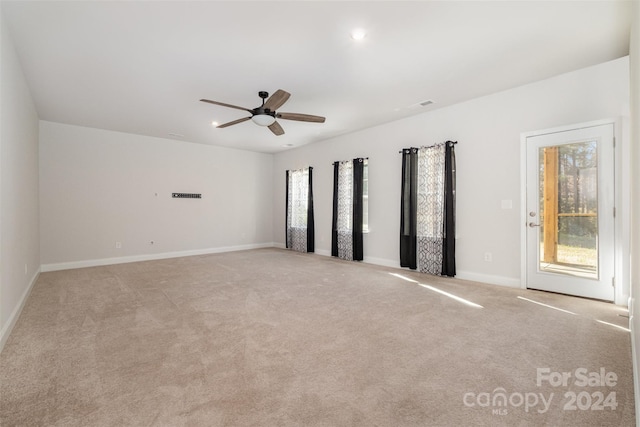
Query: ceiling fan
[[266, 114]]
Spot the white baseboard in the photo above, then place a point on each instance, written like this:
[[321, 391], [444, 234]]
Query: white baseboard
[[489, 279], [13, 318], [463, 275], [368, 260], [149, 257], [622, 300], [391, 263], [476, 277], [634, 357]]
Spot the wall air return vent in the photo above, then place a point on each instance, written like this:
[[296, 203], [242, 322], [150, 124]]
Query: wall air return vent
[[186, 195]]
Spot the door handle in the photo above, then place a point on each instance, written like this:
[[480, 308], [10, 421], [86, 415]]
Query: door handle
[[533, 224]]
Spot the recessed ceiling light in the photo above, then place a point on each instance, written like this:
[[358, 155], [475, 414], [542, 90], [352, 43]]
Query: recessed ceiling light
[[358, 34], [287, 145], [215, 124]]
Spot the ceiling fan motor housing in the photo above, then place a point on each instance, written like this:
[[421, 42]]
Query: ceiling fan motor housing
[[261, 110], [264, 111]]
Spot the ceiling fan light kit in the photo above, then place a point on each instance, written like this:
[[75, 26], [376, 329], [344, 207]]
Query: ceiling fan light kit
[[263, 119], [266, 115]]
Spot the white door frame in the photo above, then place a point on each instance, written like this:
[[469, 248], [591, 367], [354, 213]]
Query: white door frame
[[621, 197]]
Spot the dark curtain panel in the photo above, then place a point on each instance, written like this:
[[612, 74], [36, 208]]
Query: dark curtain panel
[[358, 183], [334, 221], [310, 220], [408, 208], [449, 242], [286, 213]]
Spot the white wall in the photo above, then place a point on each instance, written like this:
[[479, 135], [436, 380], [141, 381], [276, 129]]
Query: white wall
[[488, 132], [19, 234], [634, 55], [99, 187]]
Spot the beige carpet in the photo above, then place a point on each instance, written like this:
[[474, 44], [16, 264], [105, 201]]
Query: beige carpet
[[274, 338]]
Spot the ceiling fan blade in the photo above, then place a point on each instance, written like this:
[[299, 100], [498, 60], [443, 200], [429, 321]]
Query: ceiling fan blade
[[276, 100], [301, 117], [226, 105], [276, 128], [235, 122]]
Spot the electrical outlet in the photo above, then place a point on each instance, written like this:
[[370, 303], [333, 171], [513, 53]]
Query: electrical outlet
[[488, 257], [118, 245]]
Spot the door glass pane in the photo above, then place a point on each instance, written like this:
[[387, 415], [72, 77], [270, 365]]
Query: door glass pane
[[568, 209]]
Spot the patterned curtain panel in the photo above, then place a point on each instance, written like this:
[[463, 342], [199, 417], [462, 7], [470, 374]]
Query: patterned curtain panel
[[346, 236], [428, 198], [430, 210], [300, 221], [345, 210]]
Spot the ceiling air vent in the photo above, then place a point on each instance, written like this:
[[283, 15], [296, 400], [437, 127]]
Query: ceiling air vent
[[421, 104]]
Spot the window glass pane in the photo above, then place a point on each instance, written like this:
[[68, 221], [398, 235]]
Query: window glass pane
[[569, 209], [300, 198], [345, 196]]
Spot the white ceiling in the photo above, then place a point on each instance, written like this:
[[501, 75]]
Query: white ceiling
[[141, 67]]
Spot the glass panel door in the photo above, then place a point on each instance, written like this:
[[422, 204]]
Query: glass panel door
[[570, 221]]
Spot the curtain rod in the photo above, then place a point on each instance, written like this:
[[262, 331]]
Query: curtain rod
[[338, 161], [429, 146]]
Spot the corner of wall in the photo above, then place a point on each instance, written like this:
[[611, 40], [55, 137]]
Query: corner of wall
[[19, 191], [15, 314], [634, 314]]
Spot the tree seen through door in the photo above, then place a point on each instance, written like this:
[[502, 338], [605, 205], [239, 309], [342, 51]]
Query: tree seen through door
[[569, 209]]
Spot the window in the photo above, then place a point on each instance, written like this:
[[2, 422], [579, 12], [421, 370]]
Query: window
[[299, 197], [350, 208], [427, 216], [299, 215]]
